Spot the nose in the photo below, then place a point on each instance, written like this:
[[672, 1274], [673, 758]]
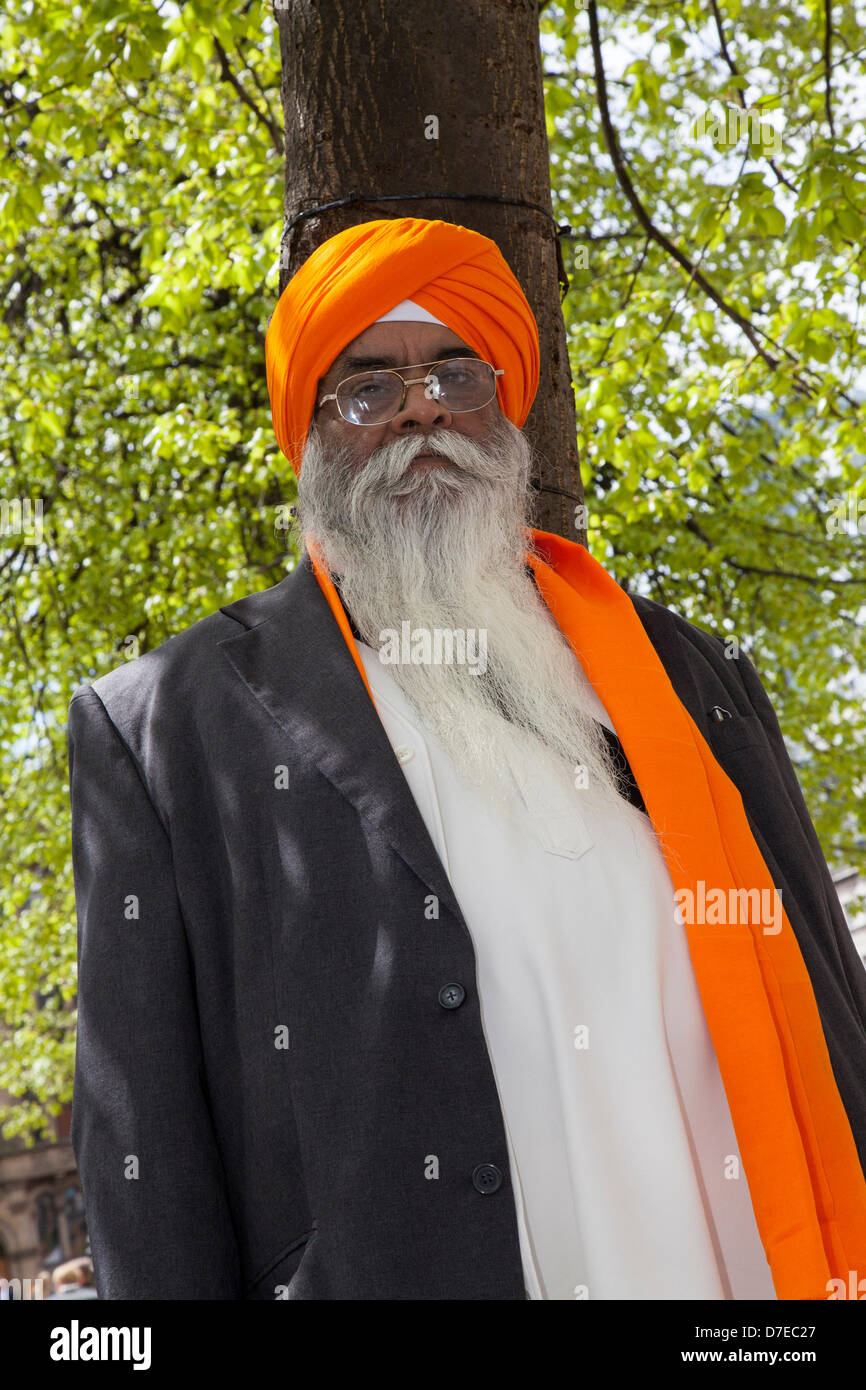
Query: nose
[[420, 410]]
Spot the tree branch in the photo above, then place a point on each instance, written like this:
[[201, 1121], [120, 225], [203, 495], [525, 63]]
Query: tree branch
[[828, 67], [813, 580], [261, 116], [749, 329], [735, 72], [642, 215]]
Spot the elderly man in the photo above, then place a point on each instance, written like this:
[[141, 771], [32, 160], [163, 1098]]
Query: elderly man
[[451, 924]]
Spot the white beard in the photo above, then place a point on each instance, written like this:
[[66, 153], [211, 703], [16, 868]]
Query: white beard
[[444, 549]]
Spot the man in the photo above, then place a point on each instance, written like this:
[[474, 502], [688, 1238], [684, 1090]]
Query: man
[[451, 925]]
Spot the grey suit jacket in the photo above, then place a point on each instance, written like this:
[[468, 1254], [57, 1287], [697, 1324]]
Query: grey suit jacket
[[264, 1067]]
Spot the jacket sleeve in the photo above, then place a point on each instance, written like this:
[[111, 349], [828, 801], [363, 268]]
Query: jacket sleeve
[[844, 950], [151, 1174]]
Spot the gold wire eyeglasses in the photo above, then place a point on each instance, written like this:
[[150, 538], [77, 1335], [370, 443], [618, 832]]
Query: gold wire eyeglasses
[[461, 384]]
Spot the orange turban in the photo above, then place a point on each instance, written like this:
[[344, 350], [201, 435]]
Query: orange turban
[[359, 274]]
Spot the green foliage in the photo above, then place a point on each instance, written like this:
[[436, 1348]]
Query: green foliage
[[713, 476], [139, 239]]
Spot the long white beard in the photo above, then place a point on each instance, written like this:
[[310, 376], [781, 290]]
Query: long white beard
[[443, 548]]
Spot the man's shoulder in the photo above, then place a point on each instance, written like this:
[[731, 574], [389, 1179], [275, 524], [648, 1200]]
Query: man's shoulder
[[188, 661], [653, 614], [705, 653]]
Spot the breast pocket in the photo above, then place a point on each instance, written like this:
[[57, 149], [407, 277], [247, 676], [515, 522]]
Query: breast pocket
[[550, 806], [740, 731]]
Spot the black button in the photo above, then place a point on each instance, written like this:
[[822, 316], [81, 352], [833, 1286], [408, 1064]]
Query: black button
[[486, 1177], [451, 996]]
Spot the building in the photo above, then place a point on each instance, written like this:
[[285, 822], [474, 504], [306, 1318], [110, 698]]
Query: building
[[851, 887], [41, 1207]]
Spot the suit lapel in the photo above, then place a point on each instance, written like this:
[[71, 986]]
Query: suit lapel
[[294, 660], [660, 627]]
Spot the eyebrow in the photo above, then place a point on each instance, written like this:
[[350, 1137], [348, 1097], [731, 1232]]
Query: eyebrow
[[365, 363]]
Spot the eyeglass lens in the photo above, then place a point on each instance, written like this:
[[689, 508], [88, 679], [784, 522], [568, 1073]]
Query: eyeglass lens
[[372, 398]]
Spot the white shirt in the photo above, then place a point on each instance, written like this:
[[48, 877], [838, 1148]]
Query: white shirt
[[627, 1177]]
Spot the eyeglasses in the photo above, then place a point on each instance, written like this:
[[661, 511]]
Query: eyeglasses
[[461, 384]]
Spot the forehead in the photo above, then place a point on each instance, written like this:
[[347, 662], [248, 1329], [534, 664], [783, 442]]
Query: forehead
[[397, 344]]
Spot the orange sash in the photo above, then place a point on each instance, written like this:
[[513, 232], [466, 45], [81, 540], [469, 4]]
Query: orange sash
[[806, 1183]]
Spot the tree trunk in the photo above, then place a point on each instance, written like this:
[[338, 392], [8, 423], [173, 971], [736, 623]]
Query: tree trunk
[[384, 99]]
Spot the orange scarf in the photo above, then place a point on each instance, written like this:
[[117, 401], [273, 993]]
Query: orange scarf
[[806, 1183]]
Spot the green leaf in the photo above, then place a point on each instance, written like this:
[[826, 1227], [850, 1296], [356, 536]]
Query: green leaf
[[774, 221]]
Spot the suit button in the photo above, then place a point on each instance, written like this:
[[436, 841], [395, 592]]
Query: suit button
[[451, 996], [486, 1177]]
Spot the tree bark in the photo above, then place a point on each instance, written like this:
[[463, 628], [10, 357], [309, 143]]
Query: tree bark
[[361, 80]]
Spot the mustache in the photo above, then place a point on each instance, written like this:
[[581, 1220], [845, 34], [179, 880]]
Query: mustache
[[389, 468]]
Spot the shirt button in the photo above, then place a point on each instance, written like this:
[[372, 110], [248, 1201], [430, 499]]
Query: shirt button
[[451, 996], [404, 753], [486, 1177]]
